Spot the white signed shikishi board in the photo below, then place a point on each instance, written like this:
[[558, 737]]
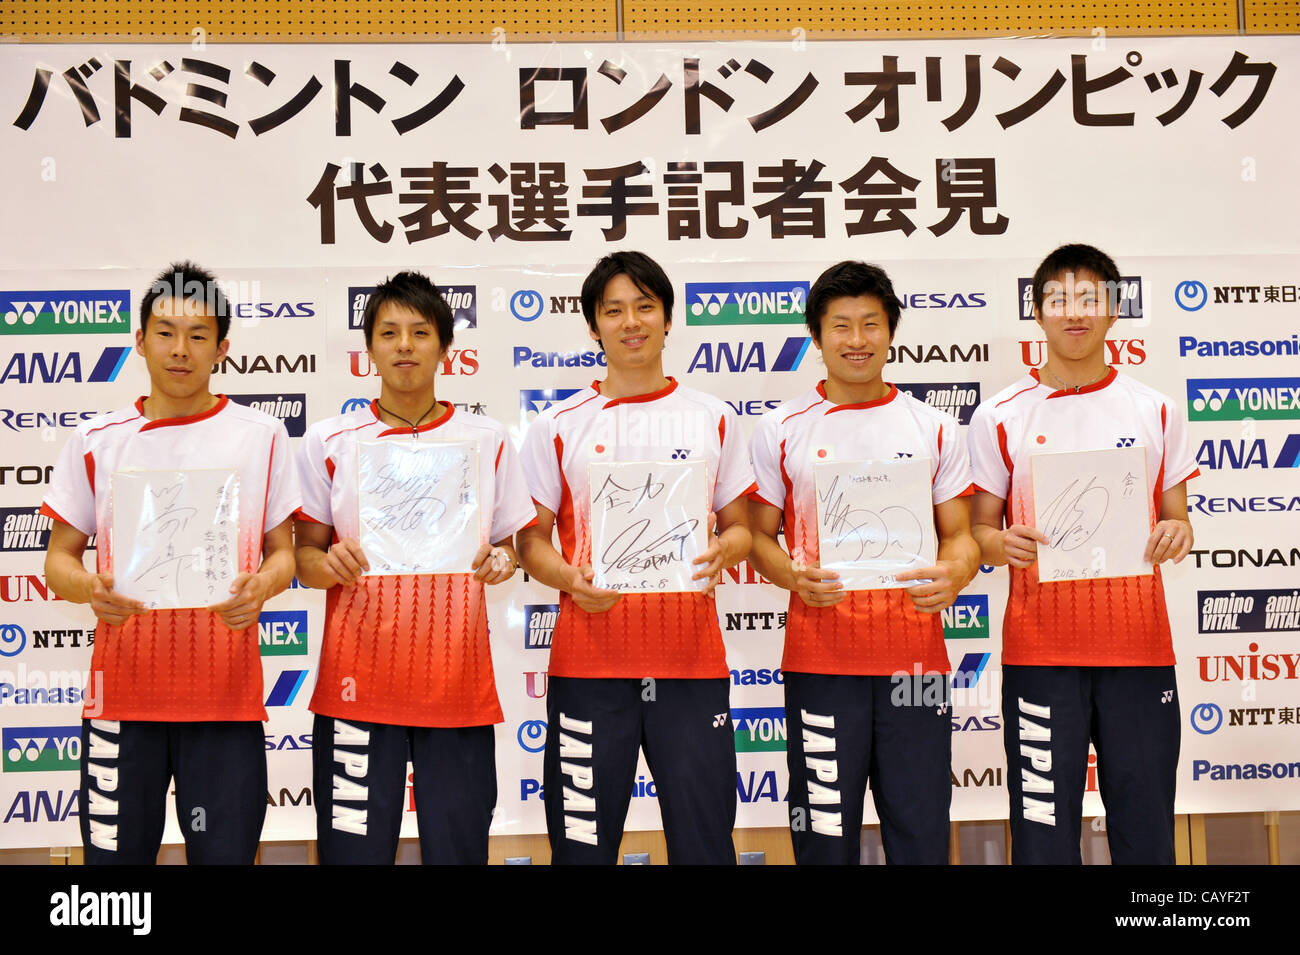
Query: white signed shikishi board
[[175, 536], [418, 505], [1094, 507], [649, 520], [875, 520]]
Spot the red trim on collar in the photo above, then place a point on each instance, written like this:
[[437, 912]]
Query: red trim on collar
[[860, 405], [443, 419], [652, 396], [1095, 386], [216, 409]]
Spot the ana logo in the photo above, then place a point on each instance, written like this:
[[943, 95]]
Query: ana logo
[[967, 618], [526, 304], [523, 355], [532, 736], [1248, 611], [282, 633], [41, 805], [1130, 297], [1226, 453], [26, 529], [1238, 348], [759, 729], [745, 303], [959, 399], [286, 688], [719, 357], [291, 409], [102, 311], [49, 368], [969, 671], [12, 639], [39, 749], [354, 404], [1191, 295], [533, 401], [1234, 399], [1206, 718], [539, 624]]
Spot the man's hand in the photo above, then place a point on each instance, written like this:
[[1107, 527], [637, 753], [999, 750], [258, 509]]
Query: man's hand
[[589, 598], [346, 562], [1169, 540], [241, 610], [1021, 544], [108, 605], [494, 563], [945, 582], [713, 560], [817, 587]]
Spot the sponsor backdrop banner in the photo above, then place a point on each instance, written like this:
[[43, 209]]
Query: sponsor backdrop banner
[[303, 175]]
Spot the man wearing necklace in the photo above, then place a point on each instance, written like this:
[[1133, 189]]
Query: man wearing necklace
[[631, 671], [174, 694], [866, 690], [1083, 659], [405, 667]]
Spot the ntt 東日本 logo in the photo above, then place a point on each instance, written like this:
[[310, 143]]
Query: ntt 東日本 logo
[[532, 736], [12, 640], [527, 304], [1206, 718], [1191, 295]]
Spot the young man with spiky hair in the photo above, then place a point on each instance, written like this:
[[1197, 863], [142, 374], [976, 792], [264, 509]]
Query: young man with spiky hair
[[866, 692], [405, 666], [1083, 659], [631, 671], [174, 694]]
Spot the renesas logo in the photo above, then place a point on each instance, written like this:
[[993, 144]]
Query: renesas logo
[[291, 409], [249, 312], [1235, 348], [52, 368], [734, 357], [539, 625], [26, 529], [1234, 399], [523, 355], [1130, 298], [1240, 454], [958, 398], [463, 300], [944, 299], [759, 729], [1258, 504], [1247, 611], [33, 420], [39, 749], [1119, 351], [745, 303], [967, 618], [98, 311], [533, 401], [282, 633], [457, 361], [753, 406]]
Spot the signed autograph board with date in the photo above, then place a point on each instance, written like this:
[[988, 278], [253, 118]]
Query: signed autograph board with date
[[649, 520], [875, 520], [1094, 508], [175, 536], [419, 506]]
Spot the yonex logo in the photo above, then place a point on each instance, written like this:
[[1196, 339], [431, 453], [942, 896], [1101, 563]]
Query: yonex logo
[[22, 312], [1166, 696], [12, 640], [532, 736], [720, 719], [1125, 443], [902, 454], [1206, 718], [282, 633], [539, 624], [286, 688], [745, 303], [526, 304], [681, 454], [760, 729], [533, 401], [103, 311], [1191, 295], [967, 618], [36, 749], [1235, 399]]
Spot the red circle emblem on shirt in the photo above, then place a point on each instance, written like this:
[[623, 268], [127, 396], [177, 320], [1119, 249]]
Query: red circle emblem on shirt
[[1042, 439]]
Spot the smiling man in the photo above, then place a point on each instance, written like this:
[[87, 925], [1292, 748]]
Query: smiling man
[[1083, 659], [631, 671], [866, 691], [174, 694]]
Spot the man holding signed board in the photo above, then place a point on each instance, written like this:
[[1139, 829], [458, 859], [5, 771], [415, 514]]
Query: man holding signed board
[[189, 496], [872, 487], [629, 470], [1087, 468], [409, 508]]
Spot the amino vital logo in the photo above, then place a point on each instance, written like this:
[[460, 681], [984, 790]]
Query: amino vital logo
[[539, 624], [969, 671], [27, 529], [97, 311], [1130, 298], [1247, 611], [291, 409], [282, 633], [745, 303], [286, 688], [719, 357], [463, 300], [759, 729], [40, 749], [958, 398], [50, 368], [1234, 399], [967, 618]]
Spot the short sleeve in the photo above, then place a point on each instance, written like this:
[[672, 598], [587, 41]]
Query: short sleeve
[[1179, 463], [735, 476], [952, 477], [282, 496], [513, 508], [71, 497], [765, 455], [540, 458], [988, 466], [314, 478]]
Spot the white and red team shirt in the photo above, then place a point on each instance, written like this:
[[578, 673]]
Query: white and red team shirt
[[673, 635], [1116, 621], [408, 649], [870, 632], [176, 665]]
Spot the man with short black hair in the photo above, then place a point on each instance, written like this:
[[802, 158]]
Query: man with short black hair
[[174, 694]]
